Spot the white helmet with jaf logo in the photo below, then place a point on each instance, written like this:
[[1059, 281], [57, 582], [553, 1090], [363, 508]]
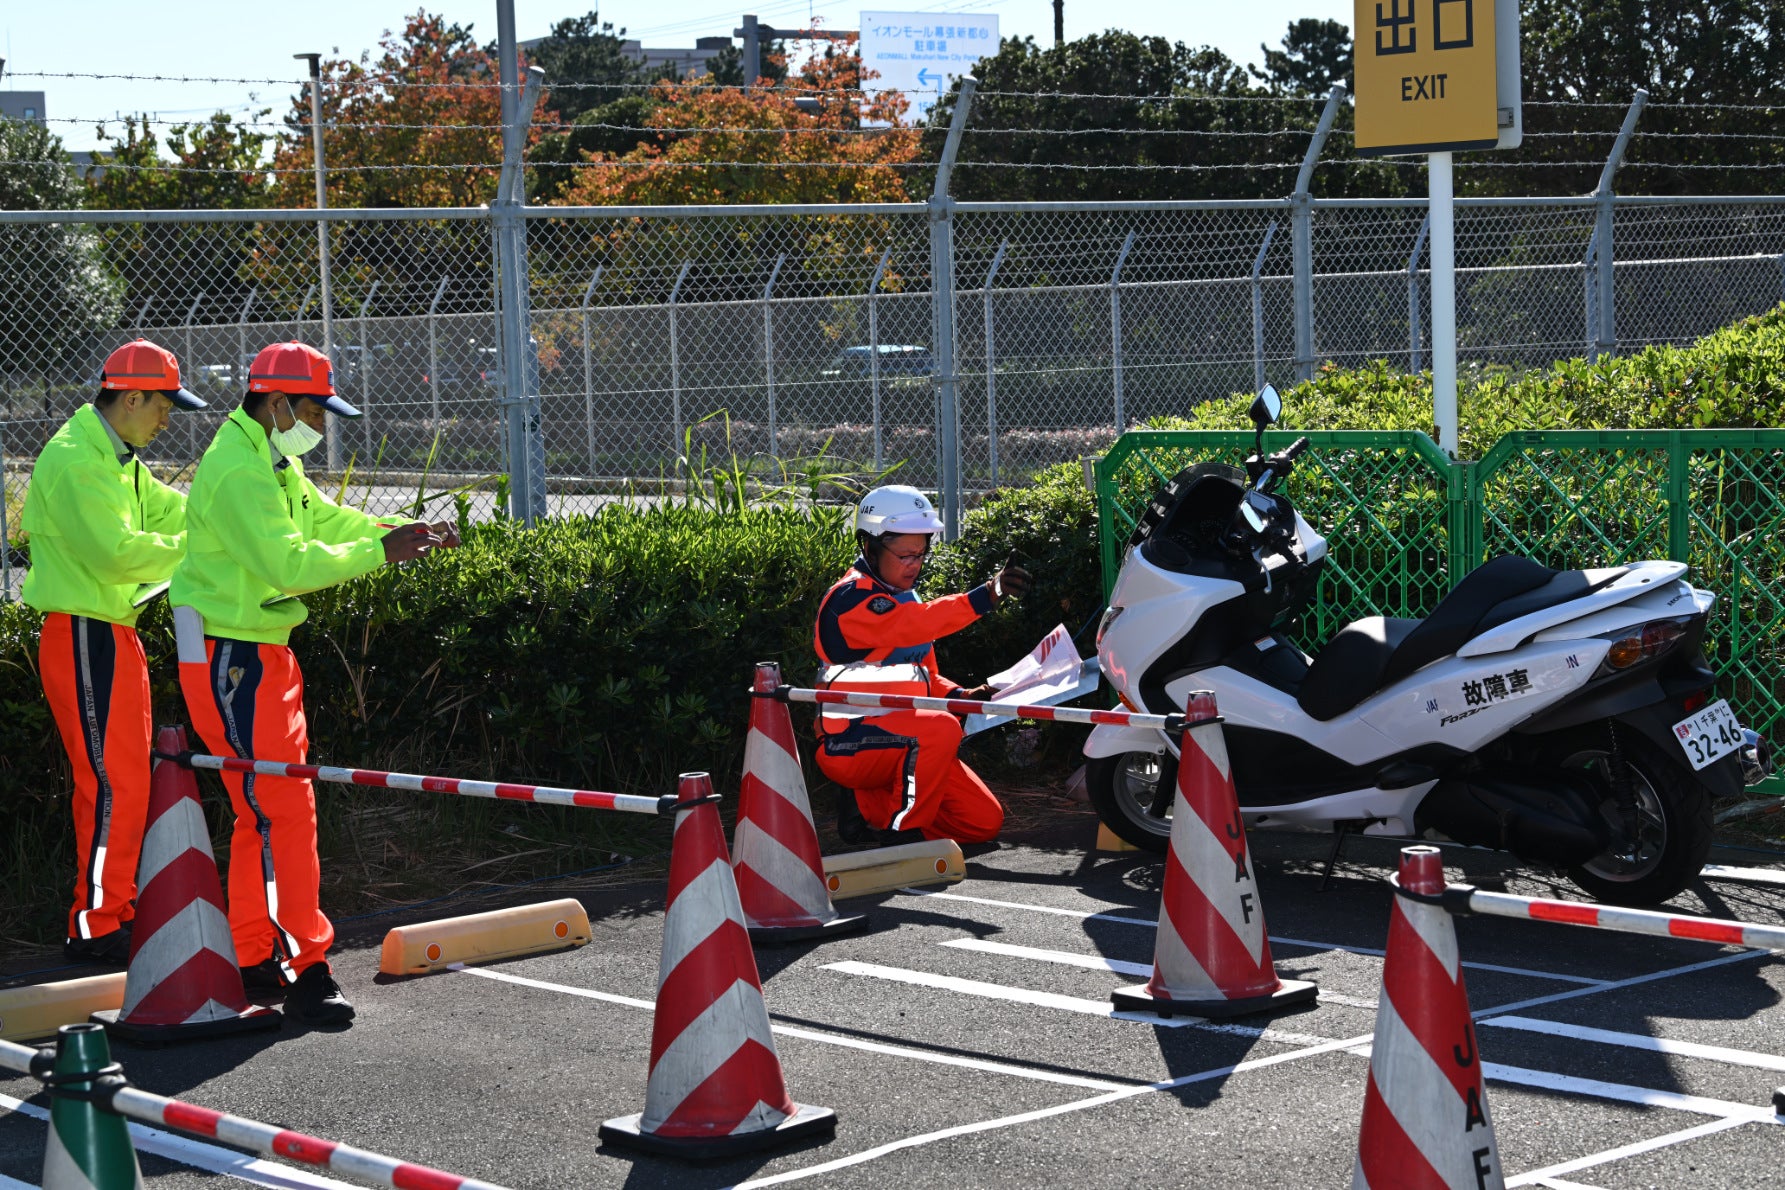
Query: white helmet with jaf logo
[[896, 509]]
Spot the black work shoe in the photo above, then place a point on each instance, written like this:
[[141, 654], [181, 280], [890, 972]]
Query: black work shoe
[[107, 950], [315, 998], [894, 838], [851, 826], [264, 976]]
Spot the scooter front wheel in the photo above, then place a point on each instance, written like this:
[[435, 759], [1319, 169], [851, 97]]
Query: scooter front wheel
[[1124, 789]]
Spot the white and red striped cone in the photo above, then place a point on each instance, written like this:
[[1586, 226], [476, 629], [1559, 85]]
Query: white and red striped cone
[[1425, 1118], [715, 1087], [779, 869], [183, 981], [1212, 957]]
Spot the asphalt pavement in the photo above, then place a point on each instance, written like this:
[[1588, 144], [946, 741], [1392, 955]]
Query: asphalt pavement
[[966, 1037]]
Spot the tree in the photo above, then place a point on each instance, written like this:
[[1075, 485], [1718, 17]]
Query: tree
[[585, 65], [763, 145], [216, 163], [1701, 61], [1117, 116], [59, 291], [417, 126], [1315, 55]]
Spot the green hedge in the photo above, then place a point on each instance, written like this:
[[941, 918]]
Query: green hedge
[[608, 651], [1733, 378]]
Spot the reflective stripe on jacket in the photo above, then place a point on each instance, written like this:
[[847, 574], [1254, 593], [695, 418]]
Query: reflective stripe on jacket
[[98, 528], [259, 537], [873, 639]]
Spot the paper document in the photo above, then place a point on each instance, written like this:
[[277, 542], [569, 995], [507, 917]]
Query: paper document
[[1051, 674], [147, 591]]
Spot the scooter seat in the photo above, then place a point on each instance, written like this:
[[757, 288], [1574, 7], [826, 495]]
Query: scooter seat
[[1350, 668], [1374, 653]]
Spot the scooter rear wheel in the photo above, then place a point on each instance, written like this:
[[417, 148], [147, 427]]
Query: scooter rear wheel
[[1673, 832], [1122, 790]]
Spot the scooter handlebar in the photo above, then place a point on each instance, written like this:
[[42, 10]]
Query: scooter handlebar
[[1296, 449]]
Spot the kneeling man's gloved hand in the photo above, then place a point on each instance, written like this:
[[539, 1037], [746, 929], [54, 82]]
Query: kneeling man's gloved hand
[[1011, 580]]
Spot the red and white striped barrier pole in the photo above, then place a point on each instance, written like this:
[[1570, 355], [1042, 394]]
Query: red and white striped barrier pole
[[968, 706], [632, 803], [1462, 898], [112, 1093]]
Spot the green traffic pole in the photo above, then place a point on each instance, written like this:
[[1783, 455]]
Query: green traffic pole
[[89, 1146]]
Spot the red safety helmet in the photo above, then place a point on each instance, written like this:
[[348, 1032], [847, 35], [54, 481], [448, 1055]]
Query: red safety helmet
[[297, 370], [142, 366]]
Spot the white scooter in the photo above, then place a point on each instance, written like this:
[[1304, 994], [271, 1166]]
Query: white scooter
[[1566, 716]]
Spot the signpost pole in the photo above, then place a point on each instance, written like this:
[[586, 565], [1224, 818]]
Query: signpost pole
[[1444, 302]]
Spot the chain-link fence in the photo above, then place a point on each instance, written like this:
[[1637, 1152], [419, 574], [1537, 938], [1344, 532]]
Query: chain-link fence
[[781, 333]]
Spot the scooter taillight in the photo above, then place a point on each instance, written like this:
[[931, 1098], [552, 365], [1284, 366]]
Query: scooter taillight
[[1652, 640]]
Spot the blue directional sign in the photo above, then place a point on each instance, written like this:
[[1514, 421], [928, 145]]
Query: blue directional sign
[[921, 53]]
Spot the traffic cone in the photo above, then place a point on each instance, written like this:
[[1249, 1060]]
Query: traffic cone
[[715, 1087], [89, 1147], [1425, 1117], [183, 981], [1212, 957], [779, 869]]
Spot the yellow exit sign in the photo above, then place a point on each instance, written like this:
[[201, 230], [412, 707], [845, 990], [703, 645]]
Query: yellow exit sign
[[1426, 76]]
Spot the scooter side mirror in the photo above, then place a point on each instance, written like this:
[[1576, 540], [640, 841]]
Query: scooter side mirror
[[1266, 407]]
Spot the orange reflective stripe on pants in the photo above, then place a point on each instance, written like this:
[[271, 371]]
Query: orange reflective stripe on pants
[[97, 682], [906, 776], [247, 699]]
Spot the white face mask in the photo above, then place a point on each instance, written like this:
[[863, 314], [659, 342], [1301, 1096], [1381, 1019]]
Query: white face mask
[[298, 439]]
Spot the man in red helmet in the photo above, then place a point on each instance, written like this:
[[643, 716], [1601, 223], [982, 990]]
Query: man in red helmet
[[261, 535], [105, 536]]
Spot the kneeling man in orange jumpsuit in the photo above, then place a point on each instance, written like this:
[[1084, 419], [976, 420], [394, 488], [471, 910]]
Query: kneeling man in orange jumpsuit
[[876, 636]]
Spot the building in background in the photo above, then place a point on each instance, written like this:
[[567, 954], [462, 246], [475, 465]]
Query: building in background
[[684, 60], [22, 105]]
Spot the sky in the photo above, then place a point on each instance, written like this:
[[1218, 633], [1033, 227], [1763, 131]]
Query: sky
[[230, 39]]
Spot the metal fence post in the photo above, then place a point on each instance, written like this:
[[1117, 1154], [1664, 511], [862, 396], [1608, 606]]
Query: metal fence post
[[1607, 331], [526, 447], [1301, 215], [1115, 331], [589, 369], [675, 363], [434, 356], [945, 370], [191, 367], [991, 367], [365, 373], [768, 352], [1258, 307], [1413, 336], [238, 371], [1589, 292], [874, 349]]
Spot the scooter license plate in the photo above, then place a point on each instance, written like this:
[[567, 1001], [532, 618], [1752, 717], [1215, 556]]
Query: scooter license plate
[[1709, 735]]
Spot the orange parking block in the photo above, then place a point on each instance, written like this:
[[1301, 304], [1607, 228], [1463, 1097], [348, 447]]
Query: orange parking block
[[482, 937], [41, 1009]]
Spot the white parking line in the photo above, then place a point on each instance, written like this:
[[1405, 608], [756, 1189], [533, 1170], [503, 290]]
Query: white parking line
[[1373, 952], [1619, 984], [854, 1043], [1099, 963], [1545, 1176], [912, 1142], [1559, 1184], [1751, 875], [1103, 1008], [203, 1156], [1659, 1045]]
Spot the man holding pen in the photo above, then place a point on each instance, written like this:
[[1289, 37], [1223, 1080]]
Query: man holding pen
[[260, 534]]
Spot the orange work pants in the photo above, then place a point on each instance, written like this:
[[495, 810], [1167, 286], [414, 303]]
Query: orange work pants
[[906, 776], [247, 699], [97, 682]]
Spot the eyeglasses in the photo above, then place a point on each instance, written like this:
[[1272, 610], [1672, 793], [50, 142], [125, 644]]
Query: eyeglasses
[[908, 559]]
